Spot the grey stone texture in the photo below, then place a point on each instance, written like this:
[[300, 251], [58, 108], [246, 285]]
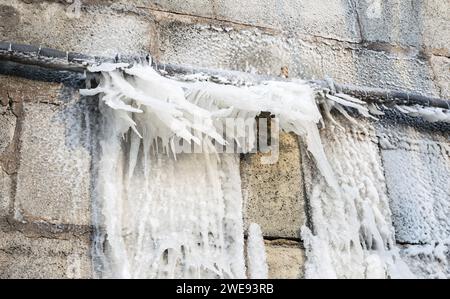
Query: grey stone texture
[[37, 257], [421, 24], [7, 128], [5, 193], [53, 169], [373, 43], [441, 69], [97, 30], [273, 193], [331, 19], [45, 180], [253, 50]]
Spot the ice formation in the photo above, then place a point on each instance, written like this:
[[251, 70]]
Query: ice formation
[[419, 200], [165, 214], [256, 253], [161, 213], [430, 261], [430, 114], [352, 233], [164, 109]]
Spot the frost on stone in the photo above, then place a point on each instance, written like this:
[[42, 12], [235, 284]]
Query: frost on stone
[[419, 200], [352, 235], [431, 261]]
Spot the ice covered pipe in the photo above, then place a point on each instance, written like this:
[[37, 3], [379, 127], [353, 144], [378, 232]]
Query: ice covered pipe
[[13, 55]]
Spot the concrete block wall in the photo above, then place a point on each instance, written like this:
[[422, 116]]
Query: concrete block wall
[[416, 162], [46, 161], [45, 180]]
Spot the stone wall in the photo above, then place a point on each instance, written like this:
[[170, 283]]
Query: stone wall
[[45, 180], [46, 152]]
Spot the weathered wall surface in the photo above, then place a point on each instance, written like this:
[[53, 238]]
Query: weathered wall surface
[[416, 159], [45, 180], [45, 154]]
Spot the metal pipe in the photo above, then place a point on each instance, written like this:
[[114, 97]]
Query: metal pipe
[[76, 62]]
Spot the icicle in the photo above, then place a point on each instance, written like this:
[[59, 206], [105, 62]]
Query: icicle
[[256, 253], [171, 107], [348, 101], [374, 109]]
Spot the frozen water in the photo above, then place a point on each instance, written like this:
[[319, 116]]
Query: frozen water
[[256, 253], [163, 108], [162, 214], [165, 214], [352, 232], [430, 114]]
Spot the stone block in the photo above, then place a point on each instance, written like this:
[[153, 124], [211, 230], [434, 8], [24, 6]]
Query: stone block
[[31, 258], [285, 259], [54, 177], [334, 19], [441, 68], [417, 171], [273, 193], [354, 64], [436, 26], [398, 72], [394, 22], [420, 24], [183, 41], [24, 90], [98, 30], [361, 66]]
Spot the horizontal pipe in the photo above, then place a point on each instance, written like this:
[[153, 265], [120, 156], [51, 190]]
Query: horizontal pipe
[[76, 62]]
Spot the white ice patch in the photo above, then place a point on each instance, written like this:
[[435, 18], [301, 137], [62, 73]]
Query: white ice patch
[[430, 261], [430, 114], [107, 67], [256, 253]]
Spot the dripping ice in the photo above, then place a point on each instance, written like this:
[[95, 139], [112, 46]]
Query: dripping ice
[[168, 215], [163, 214], [163, 108], [256, 255]]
